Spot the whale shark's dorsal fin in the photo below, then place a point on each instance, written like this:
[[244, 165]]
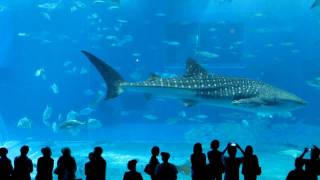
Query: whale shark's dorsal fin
[[194, 69], [153, 76], [315, 4]]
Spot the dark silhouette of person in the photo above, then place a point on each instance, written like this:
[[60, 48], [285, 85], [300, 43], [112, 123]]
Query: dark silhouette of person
[[132, 174], [250, 166], [90, 167], [312, 165], [150, 169], [298, 173], [215, 168], [22, 165], [100, 163], [166, 170], [198, 163], [6, 168], [232, 163], [66, 166], [45, 165]]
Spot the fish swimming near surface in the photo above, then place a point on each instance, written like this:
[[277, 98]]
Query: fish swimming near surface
[[196, 85], [316, 3]]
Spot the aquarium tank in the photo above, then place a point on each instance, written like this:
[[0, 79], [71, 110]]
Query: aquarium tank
[[128, 75]]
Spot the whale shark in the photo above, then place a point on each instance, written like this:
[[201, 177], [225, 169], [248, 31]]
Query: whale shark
[[197, 86]]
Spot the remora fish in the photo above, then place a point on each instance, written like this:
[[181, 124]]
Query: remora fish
[[198, 86]]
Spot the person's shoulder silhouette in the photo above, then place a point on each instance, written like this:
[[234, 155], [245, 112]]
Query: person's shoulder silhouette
[[198, 163], [232, 163], [6, 168], [23, 165], [132, 174], [166, 170], [215, 167], [100, 163], [90, 167], [150, 168], [66, 165], [250, 167], [298, 173], [45, 165]]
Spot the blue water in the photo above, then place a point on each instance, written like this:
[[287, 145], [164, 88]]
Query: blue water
[[276, 42]]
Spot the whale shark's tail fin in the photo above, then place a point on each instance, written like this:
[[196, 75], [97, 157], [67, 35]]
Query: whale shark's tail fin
[[111, 77]]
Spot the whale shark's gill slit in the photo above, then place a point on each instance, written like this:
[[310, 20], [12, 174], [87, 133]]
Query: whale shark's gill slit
[[111, 77]]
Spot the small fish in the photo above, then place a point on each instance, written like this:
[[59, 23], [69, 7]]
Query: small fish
[[201, 116], [111, 37], [24, 123], [287, 43], [160, 14], [71, 124], [67, 63], [182, 114], [207, 54], [171, 43], [315, 83], [245, 123], [213, 29], [259, 15], [98, 1], [295, 51], [113, 7], [136, 54], [122, 21], [151, 117], [73, 8], [291, 152], [55, 89], [49, 6], [47, 115], [46, 15], [23, 34], [40, 73], [86, 111]]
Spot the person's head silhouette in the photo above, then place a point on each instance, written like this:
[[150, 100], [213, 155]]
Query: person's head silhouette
[[155, 151], [46, 152], [91, 156], [232, 151], [248, 151], [24, 150], [215, 144], [132, 165], [197, 148], [298, 163], [66, 151], [165, 157], [3, 152], [98, 151]]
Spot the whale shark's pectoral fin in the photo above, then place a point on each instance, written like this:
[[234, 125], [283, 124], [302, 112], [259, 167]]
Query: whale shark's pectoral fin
[[250, 102], [189, 103]]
